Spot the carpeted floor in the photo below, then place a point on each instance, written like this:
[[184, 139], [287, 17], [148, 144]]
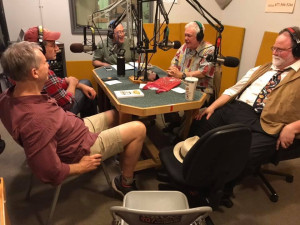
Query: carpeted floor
[[87, 199]]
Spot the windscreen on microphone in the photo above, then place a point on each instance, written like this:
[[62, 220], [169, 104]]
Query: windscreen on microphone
[[76, 47], [79, 48], [230, 61], [177, 44]]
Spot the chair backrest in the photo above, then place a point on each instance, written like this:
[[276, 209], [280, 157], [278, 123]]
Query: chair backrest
[[144, 217], [157, 207], [217, 157]]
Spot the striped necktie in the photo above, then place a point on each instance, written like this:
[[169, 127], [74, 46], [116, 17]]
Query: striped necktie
[[263, 95]]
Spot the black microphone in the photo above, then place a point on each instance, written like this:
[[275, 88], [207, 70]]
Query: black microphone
[[165, 46], [228, 61], [113, 49], [79, 48]]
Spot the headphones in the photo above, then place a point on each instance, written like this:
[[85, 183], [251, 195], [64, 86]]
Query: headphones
[[199, 35], [296, 40], [41, 38], [111, 28]]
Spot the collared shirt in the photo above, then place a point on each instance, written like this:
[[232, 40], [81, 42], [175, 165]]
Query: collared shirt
[[188, 60], [51, 137], [250, 94], [103, 53], [56, 88]]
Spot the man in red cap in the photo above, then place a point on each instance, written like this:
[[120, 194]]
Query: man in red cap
[[71, 94]]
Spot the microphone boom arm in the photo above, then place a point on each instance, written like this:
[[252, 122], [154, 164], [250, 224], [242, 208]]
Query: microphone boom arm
[[219, 27]]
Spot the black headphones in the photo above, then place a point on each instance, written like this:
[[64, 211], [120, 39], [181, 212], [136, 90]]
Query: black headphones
[[111, 28], [41, 38], [296, 40], [199, 35]]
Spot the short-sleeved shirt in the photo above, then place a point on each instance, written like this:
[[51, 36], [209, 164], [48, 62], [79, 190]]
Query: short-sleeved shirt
[[104, 54], [188, 60]]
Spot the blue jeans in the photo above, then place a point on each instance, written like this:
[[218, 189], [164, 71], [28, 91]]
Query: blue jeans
[[84, 105]]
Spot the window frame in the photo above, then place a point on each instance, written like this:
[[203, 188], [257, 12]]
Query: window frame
[[78, 29]]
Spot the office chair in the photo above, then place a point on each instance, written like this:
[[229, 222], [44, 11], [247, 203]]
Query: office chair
[[57, 191], [157, 207], [292, 152], [217, 158]]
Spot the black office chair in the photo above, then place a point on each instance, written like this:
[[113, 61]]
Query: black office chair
[[216, 158], [292, 152]]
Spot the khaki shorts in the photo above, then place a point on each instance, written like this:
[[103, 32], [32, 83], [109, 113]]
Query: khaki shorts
[[109, 141]]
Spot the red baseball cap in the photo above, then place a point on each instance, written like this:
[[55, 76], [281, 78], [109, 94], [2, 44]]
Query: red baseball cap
[[32, 35]]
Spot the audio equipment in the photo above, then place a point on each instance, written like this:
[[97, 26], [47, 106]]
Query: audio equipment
[[40, 39], [199, 35], [85, 47], [111, 28], [228, 61], [59, 64], [165, 44], [296, 40]]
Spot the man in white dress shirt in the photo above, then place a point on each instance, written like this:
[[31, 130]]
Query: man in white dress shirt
[[268, 104]]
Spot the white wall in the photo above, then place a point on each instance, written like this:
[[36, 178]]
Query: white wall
[[54, 15]]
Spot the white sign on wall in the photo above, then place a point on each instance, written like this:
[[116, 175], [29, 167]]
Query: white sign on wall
[[280, 6]]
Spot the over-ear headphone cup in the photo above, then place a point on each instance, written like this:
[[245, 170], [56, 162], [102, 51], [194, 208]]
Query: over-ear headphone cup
[[43, 49], [296, 51], [199, 35], [110, 34], [41, 38]]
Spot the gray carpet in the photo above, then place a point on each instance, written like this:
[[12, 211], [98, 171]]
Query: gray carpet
[[87, 199]]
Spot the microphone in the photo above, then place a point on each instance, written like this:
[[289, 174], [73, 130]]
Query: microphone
[[79, 48], [113, 49], [228, 61], [165, 46]]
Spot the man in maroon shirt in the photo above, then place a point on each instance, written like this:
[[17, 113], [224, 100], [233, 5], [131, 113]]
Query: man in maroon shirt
[[71, 94], [57, 143]]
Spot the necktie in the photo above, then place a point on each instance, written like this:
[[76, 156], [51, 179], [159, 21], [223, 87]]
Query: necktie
[[263, 95]]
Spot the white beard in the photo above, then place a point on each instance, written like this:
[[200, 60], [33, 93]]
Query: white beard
[[277, 61]]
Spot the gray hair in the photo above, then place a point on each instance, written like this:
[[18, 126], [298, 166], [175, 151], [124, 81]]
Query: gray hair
[[194, 26], [19, 58]]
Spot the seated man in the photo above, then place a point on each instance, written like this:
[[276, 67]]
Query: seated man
[[57, 143], [190, 61], [106, 53], [77, 97], [266, 99]]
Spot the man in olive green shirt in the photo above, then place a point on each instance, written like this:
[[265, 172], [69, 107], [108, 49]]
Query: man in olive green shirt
[[106, 53]]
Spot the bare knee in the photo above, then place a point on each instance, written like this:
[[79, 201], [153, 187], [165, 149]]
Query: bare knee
[[140, 127]]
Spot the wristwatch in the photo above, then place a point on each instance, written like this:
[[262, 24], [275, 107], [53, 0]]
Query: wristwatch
[[183, 76]]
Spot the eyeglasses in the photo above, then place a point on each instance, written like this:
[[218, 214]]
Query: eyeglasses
[[121, 32], [280, 50]]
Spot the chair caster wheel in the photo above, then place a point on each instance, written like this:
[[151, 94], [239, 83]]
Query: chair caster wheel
[[289, 179], [274, 198]]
